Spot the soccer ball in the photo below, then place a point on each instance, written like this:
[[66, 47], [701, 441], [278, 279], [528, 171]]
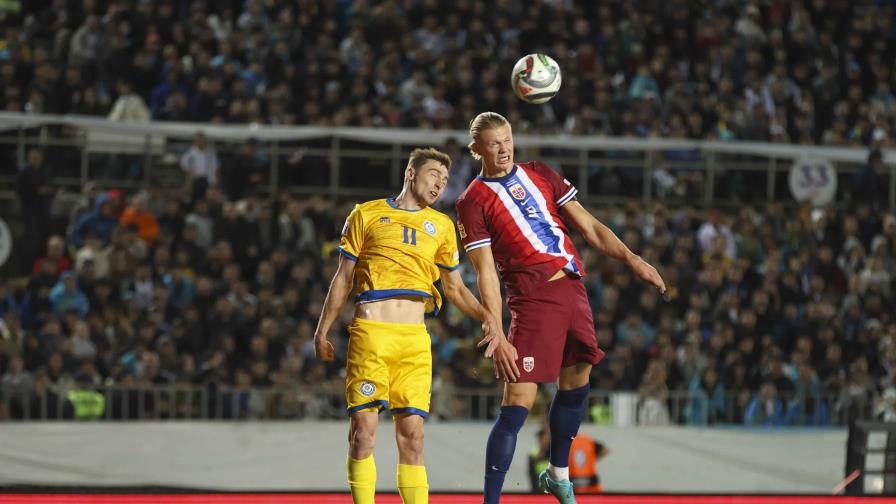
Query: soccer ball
[[536, 78]]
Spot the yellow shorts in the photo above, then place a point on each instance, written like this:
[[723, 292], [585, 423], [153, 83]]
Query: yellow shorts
[[389, 366]]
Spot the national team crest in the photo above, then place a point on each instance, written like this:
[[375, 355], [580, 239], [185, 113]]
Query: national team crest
[[517, 191], [430, 228], [384, 220], [461, 230], [528, 364], [367, 389]]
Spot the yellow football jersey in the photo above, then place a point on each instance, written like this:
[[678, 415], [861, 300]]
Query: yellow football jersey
[[398, 252]]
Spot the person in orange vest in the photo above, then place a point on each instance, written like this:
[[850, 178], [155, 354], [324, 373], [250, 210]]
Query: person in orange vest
[[583, 457]]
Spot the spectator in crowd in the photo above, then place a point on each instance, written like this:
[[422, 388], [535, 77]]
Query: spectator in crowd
[[35, 192], [766, 409], [55, 261], [67, 296], [201, 166], [138, 214], [129, 106], [102, 221]]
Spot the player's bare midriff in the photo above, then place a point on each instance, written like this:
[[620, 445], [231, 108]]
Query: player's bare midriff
[[399, 310]]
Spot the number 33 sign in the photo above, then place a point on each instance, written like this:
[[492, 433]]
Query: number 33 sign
[[813, 180]]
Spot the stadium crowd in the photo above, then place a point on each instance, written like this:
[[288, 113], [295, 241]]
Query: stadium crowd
[[810, 71], [775, 317]]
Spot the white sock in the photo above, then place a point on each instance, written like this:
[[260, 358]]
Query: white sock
[[558, 473]]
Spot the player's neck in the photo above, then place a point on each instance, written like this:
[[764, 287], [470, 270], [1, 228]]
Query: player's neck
[[406, 201], [494, 171]]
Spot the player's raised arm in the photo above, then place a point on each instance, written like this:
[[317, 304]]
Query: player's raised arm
[[490, 290], [340, 287], [606, 242]]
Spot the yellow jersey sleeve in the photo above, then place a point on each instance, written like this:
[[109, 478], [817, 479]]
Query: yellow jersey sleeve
[[352, 240], [447, 256]]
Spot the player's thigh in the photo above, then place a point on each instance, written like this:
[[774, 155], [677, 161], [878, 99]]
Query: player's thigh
[[581, 341], [538, 329], [367, 372], [411, 371]]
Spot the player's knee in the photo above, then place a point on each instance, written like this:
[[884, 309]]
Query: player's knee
[[411, 441], [361, 441]]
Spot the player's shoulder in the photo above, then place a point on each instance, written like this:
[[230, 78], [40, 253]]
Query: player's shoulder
[[370, 204], [537, 167], [473, 194], [438, 217]]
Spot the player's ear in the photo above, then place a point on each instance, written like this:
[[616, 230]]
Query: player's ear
[[409, 173]]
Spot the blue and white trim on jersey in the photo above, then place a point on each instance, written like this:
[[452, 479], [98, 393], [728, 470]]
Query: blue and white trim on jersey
[[478, 243], [567, 197], [531, 215], [347, 254]]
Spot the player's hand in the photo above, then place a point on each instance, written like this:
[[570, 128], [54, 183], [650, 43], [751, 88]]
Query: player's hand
[[323, 349], [504, 354], [505, 361], [648, 273], [491, 329]]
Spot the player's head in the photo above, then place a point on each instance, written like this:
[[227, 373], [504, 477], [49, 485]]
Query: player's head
[[492, 141], [427, 175]]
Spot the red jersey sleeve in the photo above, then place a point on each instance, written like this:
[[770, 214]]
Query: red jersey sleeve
[[563, 189], [471, 224]]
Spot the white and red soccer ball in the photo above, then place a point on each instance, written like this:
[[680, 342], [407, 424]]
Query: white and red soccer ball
[[536, 78]]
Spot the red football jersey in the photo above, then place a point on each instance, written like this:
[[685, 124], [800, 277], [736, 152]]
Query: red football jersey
[[518, 215]]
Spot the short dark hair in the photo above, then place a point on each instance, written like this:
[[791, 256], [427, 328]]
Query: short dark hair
[[419, 157]]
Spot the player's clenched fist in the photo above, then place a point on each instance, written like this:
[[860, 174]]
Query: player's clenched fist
[[323, 349]]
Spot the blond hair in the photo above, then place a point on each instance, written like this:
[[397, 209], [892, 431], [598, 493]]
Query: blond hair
[[419, 157], [484, 121]]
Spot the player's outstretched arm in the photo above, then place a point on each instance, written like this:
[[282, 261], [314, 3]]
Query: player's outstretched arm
[[498, 347], [340, 287], [606, 242], [460, 295]]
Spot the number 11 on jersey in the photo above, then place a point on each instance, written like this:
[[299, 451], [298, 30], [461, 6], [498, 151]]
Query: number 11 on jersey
[[410, 235]]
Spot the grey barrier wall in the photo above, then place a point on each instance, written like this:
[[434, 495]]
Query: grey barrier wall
[[310, 455]]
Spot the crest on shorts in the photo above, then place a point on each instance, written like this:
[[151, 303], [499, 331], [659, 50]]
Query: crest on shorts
[[430, 228], [528, 364], [367, 389], [517, 191], [461, 230]]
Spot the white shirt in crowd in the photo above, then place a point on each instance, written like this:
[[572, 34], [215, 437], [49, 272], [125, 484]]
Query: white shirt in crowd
[[130, 108], [201, 163]]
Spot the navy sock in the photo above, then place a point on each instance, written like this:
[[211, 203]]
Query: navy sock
[[565, 417], [499, 449]]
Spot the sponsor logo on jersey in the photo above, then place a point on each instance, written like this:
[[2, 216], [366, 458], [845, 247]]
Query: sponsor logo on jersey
[[384, 220], [430, 228], [461, 230], [528, 364], [517, 191], [367, 388]]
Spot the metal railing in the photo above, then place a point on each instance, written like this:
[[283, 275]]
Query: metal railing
[[361, 162], [211, 402]]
